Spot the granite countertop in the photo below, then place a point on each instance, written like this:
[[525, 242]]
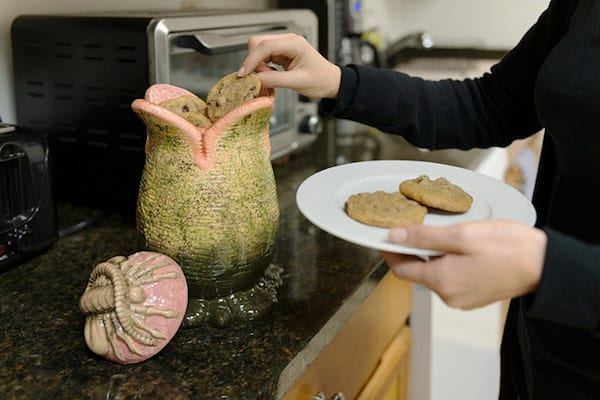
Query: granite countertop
[[43, 353], [42, 350]]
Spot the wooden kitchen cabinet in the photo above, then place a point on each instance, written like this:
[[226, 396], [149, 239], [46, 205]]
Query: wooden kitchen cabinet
[[369, 357]]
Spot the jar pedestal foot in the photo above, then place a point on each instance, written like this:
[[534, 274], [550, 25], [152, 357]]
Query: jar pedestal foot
[[241, 306]]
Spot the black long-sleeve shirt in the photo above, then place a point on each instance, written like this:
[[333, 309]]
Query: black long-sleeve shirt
[[550, 80]]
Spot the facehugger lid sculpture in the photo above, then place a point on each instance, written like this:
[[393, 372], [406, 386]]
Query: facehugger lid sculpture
[[134, 306]]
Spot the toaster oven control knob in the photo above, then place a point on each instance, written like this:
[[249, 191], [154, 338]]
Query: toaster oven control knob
[[311, 124]]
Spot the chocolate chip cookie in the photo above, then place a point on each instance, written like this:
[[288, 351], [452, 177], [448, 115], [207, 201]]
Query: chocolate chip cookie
[[229, 93], [384, 209], [439, 193], [191, 108]]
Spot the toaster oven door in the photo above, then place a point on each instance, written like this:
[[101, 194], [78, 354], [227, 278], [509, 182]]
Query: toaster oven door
[[197, 59]]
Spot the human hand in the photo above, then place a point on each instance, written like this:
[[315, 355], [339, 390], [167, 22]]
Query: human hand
[[305, 69], [484, 261]]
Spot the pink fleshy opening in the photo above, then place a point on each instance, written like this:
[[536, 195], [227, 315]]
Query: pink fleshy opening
[[202, 140]]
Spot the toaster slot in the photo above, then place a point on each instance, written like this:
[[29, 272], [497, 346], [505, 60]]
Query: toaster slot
[[16, 187]]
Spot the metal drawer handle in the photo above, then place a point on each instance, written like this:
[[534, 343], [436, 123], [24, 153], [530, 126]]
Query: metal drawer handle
[[336, 396]]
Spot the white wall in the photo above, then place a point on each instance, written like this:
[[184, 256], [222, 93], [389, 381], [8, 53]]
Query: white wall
[[9, 9], [492, 24]]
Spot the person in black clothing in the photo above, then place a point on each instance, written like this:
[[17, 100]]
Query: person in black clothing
[[550, 81]]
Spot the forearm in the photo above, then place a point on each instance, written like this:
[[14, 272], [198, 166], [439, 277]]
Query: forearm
[[432, 114]]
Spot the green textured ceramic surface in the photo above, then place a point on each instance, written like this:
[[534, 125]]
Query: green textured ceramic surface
[[219, 223]]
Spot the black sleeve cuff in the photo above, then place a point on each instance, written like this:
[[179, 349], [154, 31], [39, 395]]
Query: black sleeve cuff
[[568, 293], [347, 91]]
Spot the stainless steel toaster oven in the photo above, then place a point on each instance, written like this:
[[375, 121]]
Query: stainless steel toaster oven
[[75, 77]]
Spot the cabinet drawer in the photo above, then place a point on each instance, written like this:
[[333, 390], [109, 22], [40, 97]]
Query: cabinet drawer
[[348, 361], [391, 378]]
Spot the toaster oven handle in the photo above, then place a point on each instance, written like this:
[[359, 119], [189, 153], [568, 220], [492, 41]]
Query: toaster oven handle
[[215, 42]]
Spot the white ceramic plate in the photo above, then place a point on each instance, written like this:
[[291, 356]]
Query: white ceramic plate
[[321, 198]]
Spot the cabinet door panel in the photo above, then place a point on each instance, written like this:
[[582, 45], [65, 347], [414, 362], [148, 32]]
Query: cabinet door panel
[[347, 362]]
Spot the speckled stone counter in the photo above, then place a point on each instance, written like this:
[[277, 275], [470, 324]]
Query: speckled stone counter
[[43, 353]]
